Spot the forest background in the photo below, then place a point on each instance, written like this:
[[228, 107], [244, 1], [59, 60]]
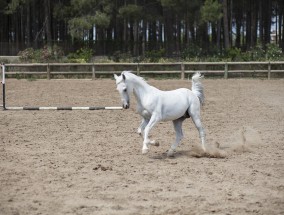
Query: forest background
[[142, 30]]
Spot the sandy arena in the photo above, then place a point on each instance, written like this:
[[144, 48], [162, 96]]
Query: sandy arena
[[90, 162]]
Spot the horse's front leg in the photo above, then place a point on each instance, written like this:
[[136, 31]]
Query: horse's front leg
[[142, 126], [147, 141], [141, 129]]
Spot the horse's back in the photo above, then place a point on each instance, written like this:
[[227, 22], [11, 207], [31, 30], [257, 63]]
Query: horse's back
[[181, 95], [175, 103]]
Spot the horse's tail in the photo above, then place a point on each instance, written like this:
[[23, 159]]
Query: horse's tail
[[197, 87]]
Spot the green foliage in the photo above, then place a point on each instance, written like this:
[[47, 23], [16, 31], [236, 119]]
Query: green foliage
[[155, 55], [82, 55], [58, 52], [82, 5], [192, 51], [233, 54], [46, 54], [139, 26], [168, 3], [27, 55], [62, 12], [14, 5], [130, 11], [211, 11], [83, 15], [119, 56], [257, 53], [273, 52], [101, 19], [79, 26]]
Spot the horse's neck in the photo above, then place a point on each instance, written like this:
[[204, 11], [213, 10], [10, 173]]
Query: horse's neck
[[140, 89]]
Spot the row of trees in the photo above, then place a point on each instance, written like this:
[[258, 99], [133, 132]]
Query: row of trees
[[168, 27]]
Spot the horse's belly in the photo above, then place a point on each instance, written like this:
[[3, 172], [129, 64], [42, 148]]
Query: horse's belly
[[173, 115], [174, 111], [174, 108]]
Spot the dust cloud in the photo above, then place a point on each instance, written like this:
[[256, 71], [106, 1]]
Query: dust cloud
[[243, 140]]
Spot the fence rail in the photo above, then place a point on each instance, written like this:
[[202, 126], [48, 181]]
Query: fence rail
[[224, 69]]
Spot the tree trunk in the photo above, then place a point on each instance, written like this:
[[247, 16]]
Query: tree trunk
[[169, 39], [160, 40], [267, 7], [214, 33], [135, 39], [280, 25], [248, 25], [178, 34], [261, 11], [254, 15], [219, 35], [238, 11], [144, 29], [35, 17], [28, 27], [48, 22], [238, 33], [226, 25]]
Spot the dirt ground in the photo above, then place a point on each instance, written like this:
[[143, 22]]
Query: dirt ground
[[90, 162]]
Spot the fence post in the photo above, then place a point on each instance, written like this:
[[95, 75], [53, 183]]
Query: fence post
[[138, 69], [269, 70], [48, 72], [3, 86], [182, 71], [226, 71], [93, 72]]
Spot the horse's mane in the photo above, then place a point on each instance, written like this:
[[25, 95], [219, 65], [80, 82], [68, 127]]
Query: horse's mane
[[130, 73]]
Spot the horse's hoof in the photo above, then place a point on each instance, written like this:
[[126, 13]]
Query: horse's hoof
[[217, 144], [145, 151], [155, 143], [171, 153]]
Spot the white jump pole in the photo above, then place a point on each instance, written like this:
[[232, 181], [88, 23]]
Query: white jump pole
[[63, 108], [46, 108]]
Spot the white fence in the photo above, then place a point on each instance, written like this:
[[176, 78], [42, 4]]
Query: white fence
[[223, 69]]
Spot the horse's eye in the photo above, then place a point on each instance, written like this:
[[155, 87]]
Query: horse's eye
[[125, 90]]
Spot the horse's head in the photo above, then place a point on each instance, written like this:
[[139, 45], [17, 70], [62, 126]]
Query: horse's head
[[122, 89]]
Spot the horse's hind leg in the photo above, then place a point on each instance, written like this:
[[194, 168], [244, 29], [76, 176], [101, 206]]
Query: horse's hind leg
[[179, 135], [195, 115]]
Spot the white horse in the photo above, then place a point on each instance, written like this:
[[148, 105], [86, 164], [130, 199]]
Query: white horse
[[155, 105]]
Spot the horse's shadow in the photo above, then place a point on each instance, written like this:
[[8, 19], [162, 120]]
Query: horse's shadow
[[164, 156], [189, 154]]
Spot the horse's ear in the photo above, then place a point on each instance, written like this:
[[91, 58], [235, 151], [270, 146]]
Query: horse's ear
[[115, 76], [123, 76]]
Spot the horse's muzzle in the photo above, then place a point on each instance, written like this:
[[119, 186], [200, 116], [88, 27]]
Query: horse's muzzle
[[126, 106]]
